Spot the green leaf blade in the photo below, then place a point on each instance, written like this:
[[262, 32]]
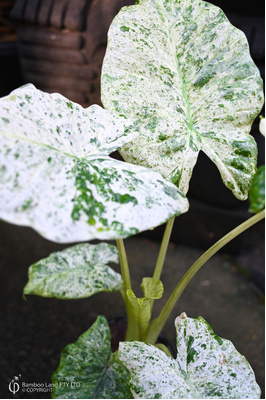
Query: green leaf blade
[[213, 364], [257, 191], [153, 373], [89, 363], [152, 288], [59, 179], [76, 272], [70, 129], [185, 73], [207, 366]]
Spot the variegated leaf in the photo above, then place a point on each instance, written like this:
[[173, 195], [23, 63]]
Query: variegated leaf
[[88, 369], [207, 366], [76, 272], [56, 175], [257, 191], [185, 73]]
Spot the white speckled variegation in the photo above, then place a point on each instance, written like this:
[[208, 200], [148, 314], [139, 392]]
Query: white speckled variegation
[[56, 175], [76, 272], [207, 366], [185, 73]]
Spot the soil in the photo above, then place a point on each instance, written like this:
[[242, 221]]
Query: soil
[[34, 332]]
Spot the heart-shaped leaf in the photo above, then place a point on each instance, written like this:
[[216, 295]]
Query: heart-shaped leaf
[[207, 366], [185, 73], [76, 272], [56, 175], [88, 370]]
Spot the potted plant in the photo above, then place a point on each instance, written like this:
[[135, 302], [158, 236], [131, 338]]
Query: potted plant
[[177, 79], [61, 45]]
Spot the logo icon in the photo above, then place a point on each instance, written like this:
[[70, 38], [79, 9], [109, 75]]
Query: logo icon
[[14, 385]]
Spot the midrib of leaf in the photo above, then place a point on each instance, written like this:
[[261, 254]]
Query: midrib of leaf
[[97, 389], [49, 126], [47, 146], [190, 124]]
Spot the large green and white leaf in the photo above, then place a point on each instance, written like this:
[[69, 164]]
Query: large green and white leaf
[[88, 370], [207, 366], [214, 365], [56, 175], [76, 272], [185, 73]]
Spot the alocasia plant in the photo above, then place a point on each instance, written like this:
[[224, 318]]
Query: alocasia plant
[[187, 74], [177, 79]]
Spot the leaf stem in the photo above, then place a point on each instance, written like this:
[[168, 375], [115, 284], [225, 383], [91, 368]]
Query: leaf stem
[[158, 323], [132, 325], [162, 253], [124, 264], [164, 246]]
